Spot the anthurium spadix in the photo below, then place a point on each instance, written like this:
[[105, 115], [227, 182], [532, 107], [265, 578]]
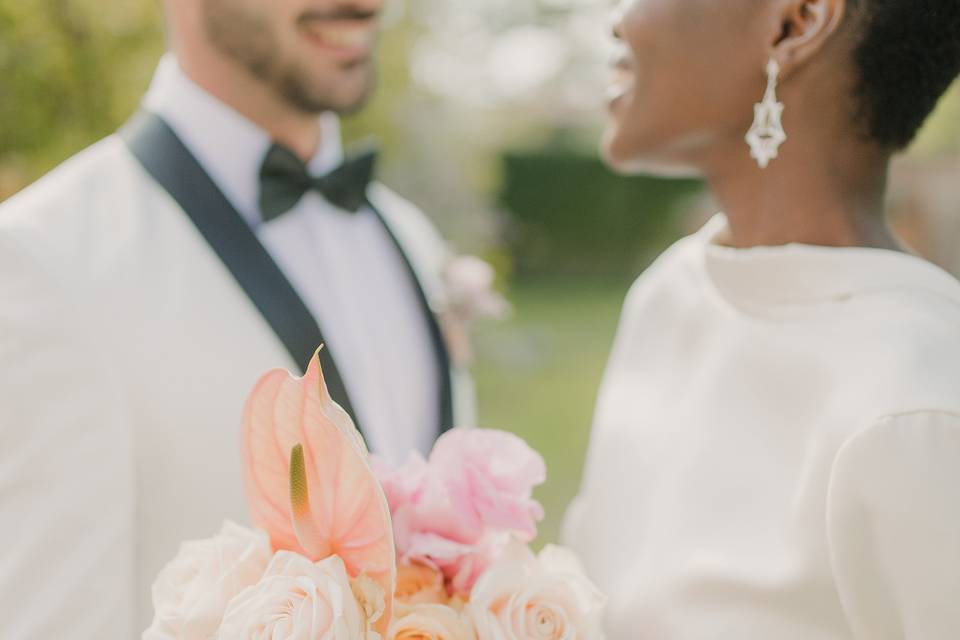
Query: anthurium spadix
[[309, 482], [303, 525]]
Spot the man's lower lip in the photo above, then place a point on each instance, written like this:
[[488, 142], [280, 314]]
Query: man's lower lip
[[345, 41], [351, 52]]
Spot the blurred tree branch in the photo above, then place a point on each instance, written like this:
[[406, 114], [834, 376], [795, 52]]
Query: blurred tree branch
[[72, 71]]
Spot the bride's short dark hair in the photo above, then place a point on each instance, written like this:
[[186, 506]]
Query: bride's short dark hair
[[908, 55]]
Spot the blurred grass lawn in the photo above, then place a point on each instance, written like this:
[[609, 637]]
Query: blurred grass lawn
[[538, 373]]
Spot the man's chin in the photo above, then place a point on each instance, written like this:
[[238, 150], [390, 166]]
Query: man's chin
[[352, 104], [342, 106], [352, 101], [340, 98]]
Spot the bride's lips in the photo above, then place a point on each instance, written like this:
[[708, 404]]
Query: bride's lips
[[348, 39]]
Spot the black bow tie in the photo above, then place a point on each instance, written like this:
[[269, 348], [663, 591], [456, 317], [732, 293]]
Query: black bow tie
[[284, 180]]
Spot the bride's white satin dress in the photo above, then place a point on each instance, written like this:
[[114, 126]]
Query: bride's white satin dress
[[776, 453]]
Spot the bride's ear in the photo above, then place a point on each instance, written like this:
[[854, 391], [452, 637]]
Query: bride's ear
[[804, 27]]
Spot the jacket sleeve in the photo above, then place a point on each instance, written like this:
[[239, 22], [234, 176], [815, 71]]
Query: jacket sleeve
[[894, 528], [66, 469]]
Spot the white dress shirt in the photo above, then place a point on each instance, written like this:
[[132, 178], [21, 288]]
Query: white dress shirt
[[776, 451], [344, 266]]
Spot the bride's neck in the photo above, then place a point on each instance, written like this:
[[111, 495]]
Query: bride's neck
[[820, 192]]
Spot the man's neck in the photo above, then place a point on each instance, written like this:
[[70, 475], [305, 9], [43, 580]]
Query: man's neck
[[256, 101]]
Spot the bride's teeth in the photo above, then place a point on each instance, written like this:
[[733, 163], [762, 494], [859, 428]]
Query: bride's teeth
[[616, 91]]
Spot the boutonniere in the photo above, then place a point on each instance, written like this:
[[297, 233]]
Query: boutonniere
[[469, 295]]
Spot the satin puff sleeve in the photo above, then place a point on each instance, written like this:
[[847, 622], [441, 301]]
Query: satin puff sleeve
[[66, 468], [894, 528]]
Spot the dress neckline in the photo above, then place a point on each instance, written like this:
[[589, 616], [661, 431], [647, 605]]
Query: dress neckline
[[764, 278]]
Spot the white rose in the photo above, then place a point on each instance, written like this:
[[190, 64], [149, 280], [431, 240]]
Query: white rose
[[430, 622], [296, 600], [192, 591], [525, 597]]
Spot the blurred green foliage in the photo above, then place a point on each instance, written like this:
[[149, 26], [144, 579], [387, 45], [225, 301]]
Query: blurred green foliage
[[538, 374], [942, 134], [571, 215], [71, 71]]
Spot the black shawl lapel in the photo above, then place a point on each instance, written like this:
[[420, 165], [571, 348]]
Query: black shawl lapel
[[441, 354], [164, 157]]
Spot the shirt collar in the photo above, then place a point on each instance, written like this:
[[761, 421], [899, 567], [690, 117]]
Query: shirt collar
[[227, 145]]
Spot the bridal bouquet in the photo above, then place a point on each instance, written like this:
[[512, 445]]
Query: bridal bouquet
[[348, 548]]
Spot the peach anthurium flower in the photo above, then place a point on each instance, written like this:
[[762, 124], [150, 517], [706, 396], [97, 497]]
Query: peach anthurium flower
[[321, 499]]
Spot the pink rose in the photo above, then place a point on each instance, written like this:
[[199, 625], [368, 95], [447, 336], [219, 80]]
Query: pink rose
[[457, 509], [401, 485], [461, 564], [488, 477]]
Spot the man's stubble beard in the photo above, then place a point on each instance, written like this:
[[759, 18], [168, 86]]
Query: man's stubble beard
[[249, 40]]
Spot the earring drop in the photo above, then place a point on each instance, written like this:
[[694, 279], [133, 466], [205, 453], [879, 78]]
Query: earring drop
[[767, 134]]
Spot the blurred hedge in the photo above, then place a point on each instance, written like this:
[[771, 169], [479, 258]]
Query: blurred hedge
[[569, 214]]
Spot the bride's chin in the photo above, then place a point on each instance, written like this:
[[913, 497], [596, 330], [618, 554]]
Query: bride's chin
[[620, 155], [625, 159], [611, 148]]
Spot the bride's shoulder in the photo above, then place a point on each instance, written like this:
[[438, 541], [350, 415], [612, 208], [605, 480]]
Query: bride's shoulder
[[918, 313], [676, 271]]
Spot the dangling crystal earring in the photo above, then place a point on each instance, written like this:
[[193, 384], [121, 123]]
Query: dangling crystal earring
[[767, 134]]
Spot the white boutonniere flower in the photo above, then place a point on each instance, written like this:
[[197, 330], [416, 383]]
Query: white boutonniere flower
[[469, 295]]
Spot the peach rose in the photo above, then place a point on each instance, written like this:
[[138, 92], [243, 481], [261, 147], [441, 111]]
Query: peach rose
[[296, 600], [430, 622], [192, 591], [525, 597], [419, 583]]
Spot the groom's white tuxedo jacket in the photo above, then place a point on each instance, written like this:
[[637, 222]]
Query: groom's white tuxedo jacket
[[127, 349]]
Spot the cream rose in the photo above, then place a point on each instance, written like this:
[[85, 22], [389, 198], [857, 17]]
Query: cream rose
[[192, 591], [525, 597], [430, 622], [419, 583], [296, 600]]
